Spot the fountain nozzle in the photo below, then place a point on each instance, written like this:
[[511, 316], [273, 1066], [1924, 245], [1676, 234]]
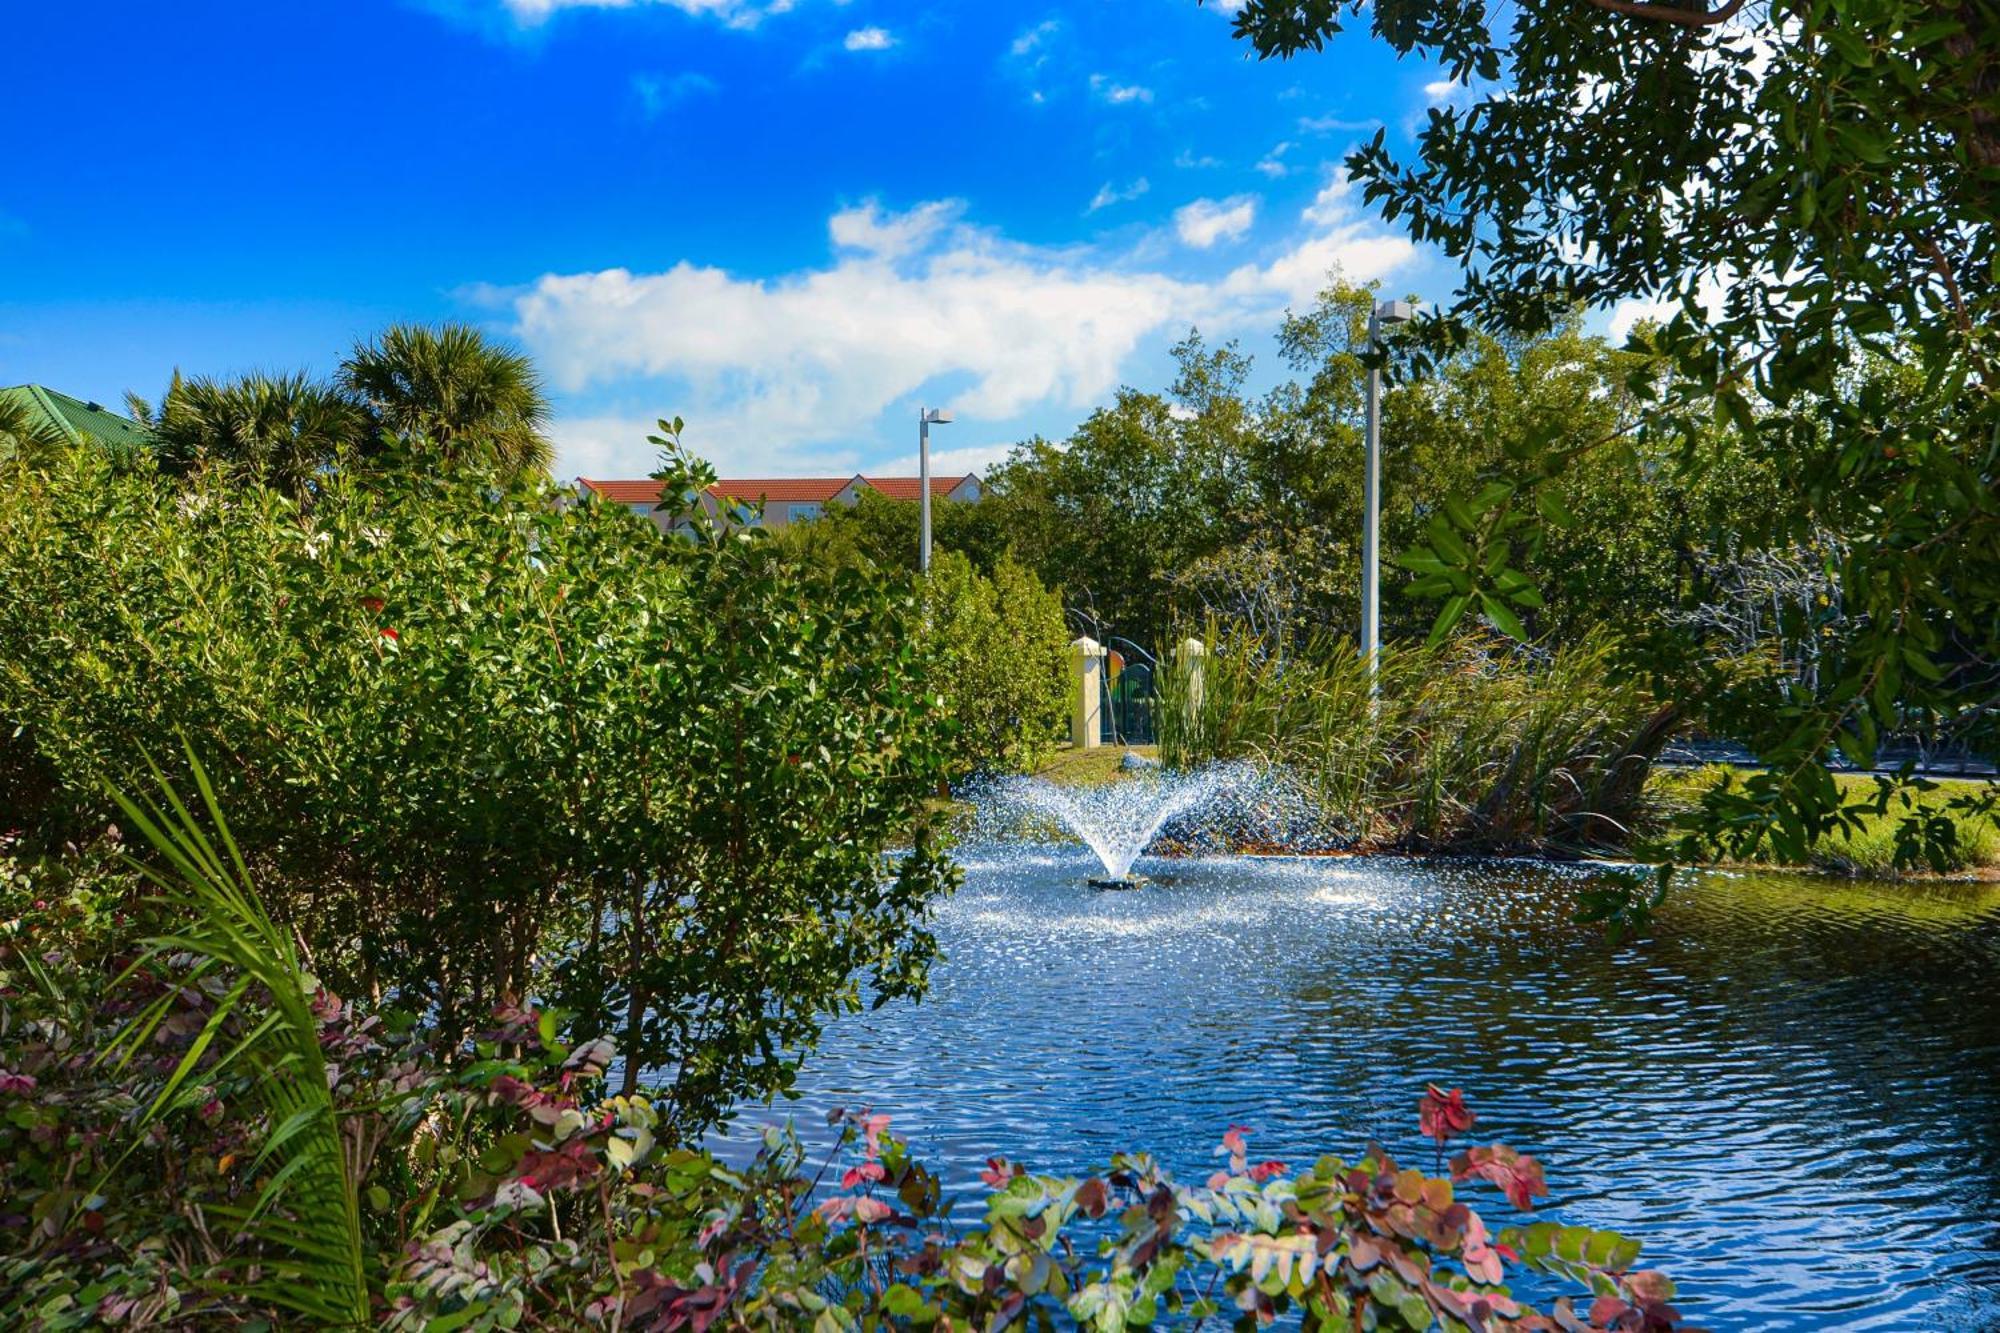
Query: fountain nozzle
[[1120, 883]]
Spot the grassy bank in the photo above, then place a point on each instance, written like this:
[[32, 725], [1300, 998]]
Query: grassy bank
[[1071, 767], [1870, 852]]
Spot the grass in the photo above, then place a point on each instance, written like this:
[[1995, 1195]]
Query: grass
[[1071, 767], [1871, 851], [1473, 747]]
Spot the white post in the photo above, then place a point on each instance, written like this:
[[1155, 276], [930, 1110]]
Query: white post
[[924, 487], [1086, 718], [1371, 514], [1194, 655]]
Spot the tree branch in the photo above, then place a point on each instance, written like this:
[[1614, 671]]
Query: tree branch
[[1665, 13]]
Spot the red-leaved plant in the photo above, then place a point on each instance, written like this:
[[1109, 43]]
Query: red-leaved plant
[[595, 1222]]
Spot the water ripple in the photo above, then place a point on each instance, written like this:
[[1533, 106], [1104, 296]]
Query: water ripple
[[1792, 1094]]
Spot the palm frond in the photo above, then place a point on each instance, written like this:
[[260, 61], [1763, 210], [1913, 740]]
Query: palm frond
[[302, 1236], [25, 435], [456, 392]]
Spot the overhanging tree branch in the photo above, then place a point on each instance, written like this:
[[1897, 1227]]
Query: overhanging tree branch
[[1665, 13]]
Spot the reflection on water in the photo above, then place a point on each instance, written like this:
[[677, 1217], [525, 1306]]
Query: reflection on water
[[1792, 1094]]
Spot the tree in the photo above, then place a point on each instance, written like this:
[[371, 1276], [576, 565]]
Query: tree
[[1136, 494], [1204, 502], [481, 747], [883, 532], [995, 634], [1801, 184], [282, 431], [453, 391], [1001, 650]]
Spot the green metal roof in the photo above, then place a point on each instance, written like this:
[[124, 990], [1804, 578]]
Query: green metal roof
[[79, 420]]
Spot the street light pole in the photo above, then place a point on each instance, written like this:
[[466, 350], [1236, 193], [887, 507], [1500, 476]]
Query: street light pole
[[926, 416], [1383, 314]]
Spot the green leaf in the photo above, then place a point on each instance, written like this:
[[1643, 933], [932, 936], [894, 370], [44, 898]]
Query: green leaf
[[1448, 617], [1448, 543], [1502, 616], [1553, 509]]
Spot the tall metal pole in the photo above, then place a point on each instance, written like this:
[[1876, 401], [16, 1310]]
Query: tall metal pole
[[924, 487], [1371, 519]]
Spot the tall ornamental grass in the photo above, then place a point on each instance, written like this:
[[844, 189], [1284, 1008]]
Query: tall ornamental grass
[[1469, 747]]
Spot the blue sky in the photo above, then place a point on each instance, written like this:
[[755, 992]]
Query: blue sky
[[789, 221]]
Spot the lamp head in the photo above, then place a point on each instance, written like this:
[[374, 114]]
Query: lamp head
[[1391, 313], [938, 416]]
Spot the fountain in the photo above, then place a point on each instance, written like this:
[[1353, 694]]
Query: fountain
[[1117, 820]]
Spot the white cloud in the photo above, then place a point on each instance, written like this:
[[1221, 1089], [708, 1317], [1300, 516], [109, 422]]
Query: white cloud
[[770, 371], [1035, 38], [1188, 160], [869, 39], [1039, 61], [1711, 290], [1447, 94], [1340, 236], [1329, 123], [1273, 164], [1118, 94], [1205, 221], [890, 235], [945, 462], [658, 92], [819, 355], [1109, 194], [736, 13]]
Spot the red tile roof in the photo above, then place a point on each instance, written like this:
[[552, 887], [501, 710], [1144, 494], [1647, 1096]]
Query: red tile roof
[[820, 489], [625, 492], [906, 488], [775, 489]]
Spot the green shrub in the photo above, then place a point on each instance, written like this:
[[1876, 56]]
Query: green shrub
[[1001, 649], [481, 747], [1464, 749], [1867, 844]]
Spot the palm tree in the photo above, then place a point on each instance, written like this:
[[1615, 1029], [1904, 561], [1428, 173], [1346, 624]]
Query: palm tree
[[452, 389], [24, 434], [299, 1247], [283, 431]]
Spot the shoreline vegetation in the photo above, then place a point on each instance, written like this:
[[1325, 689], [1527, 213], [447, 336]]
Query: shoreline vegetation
[[1670, 790]]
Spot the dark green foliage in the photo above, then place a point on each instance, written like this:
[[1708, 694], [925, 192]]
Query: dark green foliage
[[1201, 501], [454, 395], [999, 651], [994, 633], [884, 532], [282, 431], [1810, 188], [415, 397], [479, 746], [1135, 495]]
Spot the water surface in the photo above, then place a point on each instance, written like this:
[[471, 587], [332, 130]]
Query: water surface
[[1791, 1093]]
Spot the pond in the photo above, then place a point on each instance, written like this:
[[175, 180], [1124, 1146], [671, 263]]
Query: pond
[[1791, 1093]]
